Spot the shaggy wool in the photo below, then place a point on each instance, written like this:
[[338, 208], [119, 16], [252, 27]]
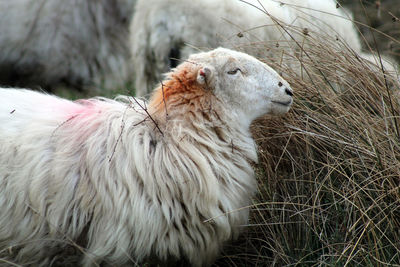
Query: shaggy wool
[[126, 179]]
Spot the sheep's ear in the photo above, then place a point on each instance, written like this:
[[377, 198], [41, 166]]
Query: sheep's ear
[[205, 75]]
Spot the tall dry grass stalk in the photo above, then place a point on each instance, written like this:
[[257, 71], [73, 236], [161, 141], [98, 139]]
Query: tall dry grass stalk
[[329, 172]]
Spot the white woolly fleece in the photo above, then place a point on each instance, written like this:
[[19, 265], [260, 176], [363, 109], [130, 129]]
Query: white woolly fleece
[[174, 184]]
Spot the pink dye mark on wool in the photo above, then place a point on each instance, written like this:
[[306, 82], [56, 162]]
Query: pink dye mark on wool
[[79, 114], [82, 108], [67, 108]]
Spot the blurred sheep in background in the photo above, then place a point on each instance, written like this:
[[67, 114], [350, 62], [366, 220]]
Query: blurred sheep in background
[[76, 43], [165, 32]]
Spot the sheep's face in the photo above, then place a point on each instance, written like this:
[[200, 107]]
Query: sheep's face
[[248, 86]]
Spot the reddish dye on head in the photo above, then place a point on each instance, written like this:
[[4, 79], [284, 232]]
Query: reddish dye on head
[[181, 87]]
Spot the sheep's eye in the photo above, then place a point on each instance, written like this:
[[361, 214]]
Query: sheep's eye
[[232, 72]]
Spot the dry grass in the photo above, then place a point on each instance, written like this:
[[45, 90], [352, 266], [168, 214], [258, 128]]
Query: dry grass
[[329, 172]]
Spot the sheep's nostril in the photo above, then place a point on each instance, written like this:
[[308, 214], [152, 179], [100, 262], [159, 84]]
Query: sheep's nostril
[[288, 91]]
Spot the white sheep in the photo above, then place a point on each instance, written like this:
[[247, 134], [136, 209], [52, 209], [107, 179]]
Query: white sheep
[[163, 31], [167, 178], [80, 43]]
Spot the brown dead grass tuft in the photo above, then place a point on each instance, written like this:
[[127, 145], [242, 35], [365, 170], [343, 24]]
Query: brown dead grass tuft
[[329, 171]]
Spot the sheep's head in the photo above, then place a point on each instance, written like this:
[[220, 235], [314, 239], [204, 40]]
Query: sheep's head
[[248, 87]]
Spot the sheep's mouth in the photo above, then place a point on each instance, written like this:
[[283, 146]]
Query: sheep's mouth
[[286, 104]]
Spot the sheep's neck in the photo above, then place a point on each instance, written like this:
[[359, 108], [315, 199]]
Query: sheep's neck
[[178, 95]]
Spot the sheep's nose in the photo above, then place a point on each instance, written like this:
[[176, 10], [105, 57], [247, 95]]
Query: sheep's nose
[[288, 91]]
